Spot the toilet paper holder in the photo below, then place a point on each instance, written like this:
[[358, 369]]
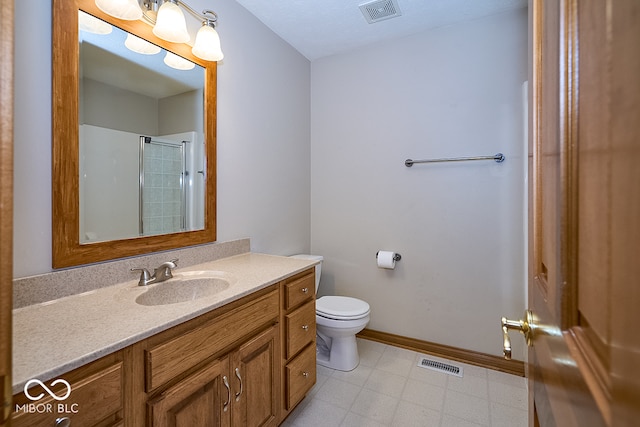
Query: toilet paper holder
[[396, 257]]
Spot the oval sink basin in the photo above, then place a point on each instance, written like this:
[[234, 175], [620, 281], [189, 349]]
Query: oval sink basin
[[183, 287]]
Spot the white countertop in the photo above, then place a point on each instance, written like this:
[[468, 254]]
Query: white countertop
[[55, 337]]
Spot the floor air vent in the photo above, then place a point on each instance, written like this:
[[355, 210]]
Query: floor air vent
[[434, 365], [379, 10]]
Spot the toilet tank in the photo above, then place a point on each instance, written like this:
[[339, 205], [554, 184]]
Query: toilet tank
[[318, 266]]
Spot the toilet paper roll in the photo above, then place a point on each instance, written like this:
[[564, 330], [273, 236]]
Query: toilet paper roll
[[387, 259]]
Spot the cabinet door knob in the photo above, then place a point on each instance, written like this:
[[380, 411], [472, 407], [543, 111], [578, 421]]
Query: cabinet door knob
[[239, 379], [305, 290], [305, 327], [305, 374], [225, 406], [63, 422]]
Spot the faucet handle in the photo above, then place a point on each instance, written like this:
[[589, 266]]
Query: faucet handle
[[145, 276]]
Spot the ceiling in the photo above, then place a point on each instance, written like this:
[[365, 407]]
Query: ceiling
[[318, 28]]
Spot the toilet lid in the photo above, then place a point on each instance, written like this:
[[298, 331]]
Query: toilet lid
[[336, 307]]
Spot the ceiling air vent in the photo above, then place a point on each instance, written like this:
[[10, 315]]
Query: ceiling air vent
[[379, 10]]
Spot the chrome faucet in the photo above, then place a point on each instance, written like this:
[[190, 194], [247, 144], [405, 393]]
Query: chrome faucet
[[160, 274], [163, 272]]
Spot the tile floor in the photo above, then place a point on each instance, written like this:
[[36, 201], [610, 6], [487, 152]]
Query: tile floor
[[389, 389]]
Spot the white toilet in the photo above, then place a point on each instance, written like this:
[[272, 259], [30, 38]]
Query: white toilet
[[338, 320]]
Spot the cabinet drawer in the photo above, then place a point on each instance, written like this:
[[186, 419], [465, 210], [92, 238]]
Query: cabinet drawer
[[97, 398], [300, 327], [172, 358], [300, 375], [299, 288]]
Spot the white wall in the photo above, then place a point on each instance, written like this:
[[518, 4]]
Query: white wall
[[263, 136], [109, 184], [454, 91]]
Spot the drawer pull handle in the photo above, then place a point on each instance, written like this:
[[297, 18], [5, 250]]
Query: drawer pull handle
[[240, 379], [63, 422], [305, 327], [305, 290], [225, 406], [305, 374]]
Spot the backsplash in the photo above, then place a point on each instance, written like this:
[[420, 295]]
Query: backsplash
[[72, 281]]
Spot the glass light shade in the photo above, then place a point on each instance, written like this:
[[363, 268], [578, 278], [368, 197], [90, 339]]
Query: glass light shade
[[91, 24], [207, 45], [178, 62], [170, 24], [128, 10], [139, 45]]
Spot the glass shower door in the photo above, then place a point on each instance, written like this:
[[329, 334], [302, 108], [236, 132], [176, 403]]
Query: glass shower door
[[162, 186]]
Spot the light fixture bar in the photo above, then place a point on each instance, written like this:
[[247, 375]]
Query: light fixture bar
[[150, 10], [169, 23]]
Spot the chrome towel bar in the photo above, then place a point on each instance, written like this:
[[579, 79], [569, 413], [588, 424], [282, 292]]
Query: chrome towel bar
[[498, 158]]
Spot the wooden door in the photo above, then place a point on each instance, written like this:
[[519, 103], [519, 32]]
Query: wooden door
[[255, 371], [6, 204], [203, 399], [584, 290]]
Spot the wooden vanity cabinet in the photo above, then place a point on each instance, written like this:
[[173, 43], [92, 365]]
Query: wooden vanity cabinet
[[247, 363], [224, 371], [298, 328]]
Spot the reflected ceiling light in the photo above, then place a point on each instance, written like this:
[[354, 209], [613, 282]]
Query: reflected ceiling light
[[178, 62], [91, 24], [128, 10], [139, 45], [207, 45], [169, 22]]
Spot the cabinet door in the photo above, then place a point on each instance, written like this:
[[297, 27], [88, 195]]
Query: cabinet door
[[255, 371], [202, 399]]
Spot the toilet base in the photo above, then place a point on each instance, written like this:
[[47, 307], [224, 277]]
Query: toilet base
[[340, 353]]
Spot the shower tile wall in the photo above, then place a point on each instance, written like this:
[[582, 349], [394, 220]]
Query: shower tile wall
[[162, 195]]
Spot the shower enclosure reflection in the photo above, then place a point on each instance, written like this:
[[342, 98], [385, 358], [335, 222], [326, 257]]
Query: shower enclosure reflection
[[132, 185]]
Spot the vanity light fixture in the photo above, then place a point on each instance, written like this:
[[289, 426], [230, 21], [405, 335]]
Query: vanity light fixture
[[169, 22], [207, 45]]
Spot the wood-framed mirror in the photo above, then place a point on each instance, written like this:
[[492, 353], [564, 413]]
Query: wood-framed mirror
[[72, 244]]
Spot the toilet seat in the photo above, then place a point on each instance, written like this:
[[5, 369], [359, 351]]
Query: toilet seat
[[341, 308]]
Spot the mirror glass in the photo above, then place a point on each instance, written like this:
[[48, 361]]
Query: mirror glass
[[133, 140], [141, 136]]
